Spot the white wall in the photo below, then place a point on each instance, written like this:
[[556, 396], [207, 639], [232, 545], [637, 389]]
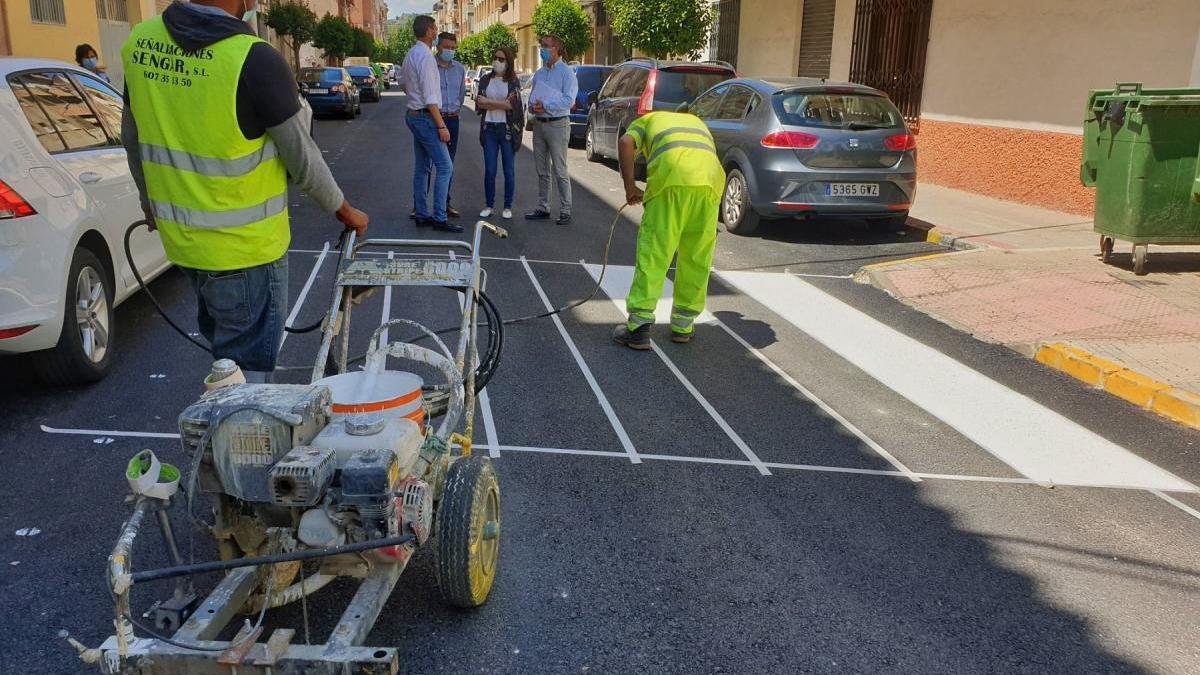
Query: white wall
[[1030, 63], [769, 37]]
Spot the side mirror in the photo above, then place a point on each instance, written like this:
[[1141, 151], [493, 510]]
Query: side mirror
[[682, 107]]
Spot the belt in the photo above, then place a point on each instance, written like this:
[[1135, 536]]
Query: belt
[[446, 114], [418, 113], [550, 119]]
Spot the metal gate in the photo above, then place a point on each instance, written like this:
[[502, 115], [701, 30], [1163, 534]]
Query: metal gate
[[723, 44], [890, 41], [113, 19], [816, 38]]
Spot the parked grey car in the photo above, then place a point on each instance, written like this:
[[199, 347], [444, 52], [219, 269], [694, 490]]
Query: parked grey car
[[802, 147]]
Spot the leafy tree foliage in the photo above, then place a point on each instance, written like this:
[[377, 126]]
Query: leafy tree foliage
[[295, 21], [334, 36], [661, 28], [477, 49], [567, 20], [364, 43]]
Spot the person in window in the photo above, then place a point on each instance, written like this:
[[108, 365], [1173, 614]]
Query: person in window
[[503, 124], [86, 57]]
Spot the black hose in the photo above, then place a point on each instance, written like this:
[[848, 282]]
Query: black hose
[[153, 300], [222, 565]]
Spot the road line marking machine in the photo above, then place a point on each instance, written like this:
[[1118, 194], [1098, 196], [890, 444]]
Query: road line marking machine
[[348, 470]]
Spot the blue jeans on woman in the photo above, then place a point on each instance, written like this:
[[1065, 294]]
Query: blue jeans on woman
[[495, 140]]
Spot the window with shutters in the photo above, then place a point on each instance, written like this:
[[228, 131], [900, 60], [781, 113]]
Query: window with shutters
[[816, 38], [112, 10], [725, 31], [48, 11]]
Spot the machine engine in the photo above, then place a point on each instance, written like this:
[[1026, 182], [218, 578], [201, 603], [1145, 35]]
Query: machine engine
[[343, 476]]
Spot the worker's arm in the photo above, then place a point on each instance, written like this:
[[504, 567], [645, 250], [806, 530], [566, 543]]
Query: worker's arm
[[432, 82], [268, 103], [133, 155], [627, 155]]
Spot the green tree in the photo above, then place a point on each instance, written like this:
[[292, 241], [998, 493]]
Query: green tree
[[295, 21], [401, 39], [470, 50], [334, 36], [661, 28], [363, 43], [494, 37], [568, 21]]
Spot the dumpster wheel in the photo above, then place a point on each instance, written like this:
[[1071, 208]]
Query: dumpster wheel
[[468, 532], [1140, 253], [1106, 249]]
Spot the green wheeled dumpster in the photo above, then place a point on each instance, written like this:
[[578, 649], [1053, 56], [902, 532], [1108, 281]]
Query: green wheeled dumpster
[[1141, 151]]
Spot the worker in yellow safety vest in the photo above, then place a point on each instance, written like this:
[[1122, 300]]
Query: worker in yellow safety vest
[[212, 127], [684, 180]]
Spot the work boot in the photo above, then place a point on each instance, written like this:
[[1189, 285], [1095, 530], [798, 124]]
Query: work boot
[[681, 338], [638, 338]]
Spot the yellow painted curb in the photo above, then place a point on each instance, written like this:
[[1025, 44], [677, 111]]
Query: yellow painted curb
[[904, 261], [1140, 390], [933, 236]]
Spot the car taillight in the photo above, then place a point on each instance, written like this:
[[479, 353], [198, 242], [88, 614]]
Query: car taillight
[[370, 80], [900, 142], [7, 333], [790, 139], [337, 88], [13, 205], [646, 102]]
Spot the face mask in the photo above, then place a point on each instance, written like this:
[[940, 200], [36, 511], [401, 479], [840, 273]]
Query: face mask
[[250, 16], [544, 52], [90, 64], [498, 67], [447, 54]]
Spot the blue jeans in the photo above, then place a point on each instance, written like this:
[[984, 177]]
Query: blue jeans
[[495, 141], [429, 151], [452, 127], [241, 312]]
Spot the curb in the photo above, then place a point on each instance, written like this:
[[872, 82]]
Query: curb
[[1143, 391], [954, 241]]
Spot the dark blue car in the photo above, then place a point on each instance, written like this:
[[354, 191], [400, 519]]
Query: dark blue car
[[329, 90], [591, 78], [368, 85]]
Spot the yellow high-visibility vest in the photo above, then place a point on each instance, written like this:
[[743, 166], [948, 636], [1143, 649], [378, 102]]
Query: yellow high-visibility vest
[[219, 198], [679, 151]]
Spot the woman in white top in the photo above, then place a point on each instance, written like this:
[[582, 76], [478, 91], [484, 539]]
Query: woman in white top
[[503, 124]]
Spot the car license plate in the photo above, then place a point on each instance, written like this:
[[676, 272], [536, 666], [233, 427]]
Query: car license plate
[[852, 190], [318, 91]]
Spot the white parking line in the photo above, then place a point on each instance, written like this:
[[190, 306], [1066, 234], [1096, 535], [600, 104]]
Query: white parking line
[[1176, 503], [587, 373], [312, 275], [1035, 441], [387, 309]]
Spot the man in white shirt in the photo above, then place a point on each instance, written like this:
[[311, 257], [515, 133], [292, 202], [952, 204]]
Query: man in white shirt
[[430, 135]]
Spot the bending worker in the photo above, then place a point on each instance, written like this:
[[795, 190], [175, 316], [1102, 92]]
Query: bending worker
[[684, 180], [212, 128]]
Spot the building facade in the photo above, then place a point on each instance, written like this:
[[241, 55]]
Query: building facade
[[517, 15], [996, 88]]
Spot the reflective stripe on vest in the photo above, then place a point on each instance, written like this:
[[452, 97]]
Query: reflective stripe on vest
[[219, 198], [208, 166], [671, 145]]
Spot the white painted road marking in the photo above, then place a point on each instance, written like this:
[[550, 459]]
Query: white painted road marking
[[1034, 440], [587, 373], [616, 284], [312, 275]]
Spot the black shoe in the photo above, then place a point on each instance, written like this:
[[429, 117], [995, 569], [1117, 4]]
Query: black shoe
[[452, 212], [681, 338], [637, 339], [564, 219], [537, 214], [445, 227], [423, 222], [412, 215]]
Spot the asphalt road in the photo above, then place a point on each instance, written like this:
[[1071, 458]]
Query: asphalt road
[[828, 481]]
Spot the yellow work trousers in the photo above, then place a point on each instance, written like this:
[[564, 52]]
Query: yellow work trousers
[[682, 219]]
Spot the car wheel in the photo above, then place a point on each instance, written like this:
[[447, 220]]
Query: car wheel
[[589, 144], [84, 349], [736, 212]]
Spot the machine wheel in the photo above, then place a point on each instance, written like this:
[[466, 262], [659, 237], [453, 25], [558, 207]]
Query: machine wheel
[[1140, 254], [84, 350], [737, 214], [589, 145], [468, 532], [1106, 248]]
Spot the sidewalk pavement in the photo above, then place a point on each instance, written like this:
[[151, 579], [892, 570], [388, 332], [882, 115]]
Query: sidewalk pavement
[[1031, 279]]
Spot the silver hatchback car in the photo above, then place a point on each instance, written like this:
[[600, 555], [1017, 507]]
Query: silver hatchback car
[[798, 147]]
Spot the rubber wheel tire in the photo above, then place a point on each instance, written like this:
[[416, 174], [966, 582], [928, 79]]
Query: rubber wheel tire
[[67, 363], [1140, 254], [589, 145], [1106, 249], [739, 218], [468, 532]]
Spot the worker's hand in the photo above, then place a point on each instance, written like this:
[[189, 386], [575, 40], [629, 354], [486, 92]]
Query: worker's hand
[[538, 107], [150, 224], [352, 218], [633, 195], [444, 134]]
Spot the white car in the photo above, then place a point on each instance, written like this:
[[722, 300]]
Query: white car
[[66, 199]]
